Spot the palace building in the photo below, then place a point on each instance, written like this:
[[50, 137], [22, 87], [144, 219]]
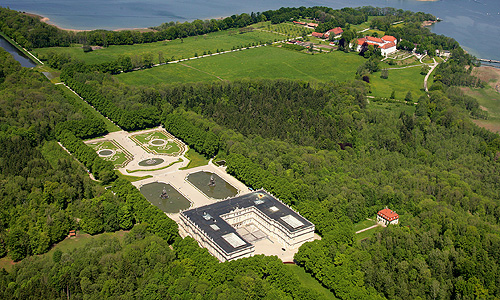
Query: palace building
[[230, 229]]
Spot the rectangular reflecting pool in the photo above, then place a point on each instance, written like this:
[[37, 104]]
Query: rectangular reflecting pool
[[165, 197]]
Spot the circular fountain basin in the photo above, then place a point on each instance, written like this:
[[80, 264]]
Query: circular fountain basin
[[106, 152], [151, 162]]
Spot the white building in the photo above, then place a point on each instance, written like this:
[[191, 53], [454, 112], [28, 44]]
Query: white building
[[387, 43], [217, 226], [387, 216]]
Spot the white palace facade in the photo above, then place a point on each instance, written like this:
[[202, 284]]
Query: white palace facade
[[221, 227]]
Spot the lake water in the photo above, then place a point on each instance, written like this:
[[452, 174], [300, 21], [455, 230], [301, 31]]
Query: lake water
[[18, 55], [475, 24]]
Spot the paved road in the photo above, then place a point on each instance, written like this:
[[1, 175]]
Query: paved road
[[429, 73]]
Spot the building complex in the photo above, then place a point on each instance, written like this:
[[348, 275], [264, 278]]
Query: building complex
[[230, 229]]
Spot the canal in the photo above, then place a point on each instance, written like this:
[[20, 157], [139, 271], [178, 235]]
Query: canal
[[18, 55]]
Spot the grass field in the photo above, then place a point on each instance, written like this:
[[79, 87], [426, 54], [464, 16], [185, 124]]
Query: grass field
[[401, 81], [79, 103], [179, 48], [158, 142], [195, 160], [489, 100], [264, 62], [272, 62], [363, 224], [309, 281], [120, 158]]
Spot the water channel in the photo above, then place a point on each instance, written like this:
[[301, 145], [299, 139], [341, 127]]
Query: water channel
[[18, 55]]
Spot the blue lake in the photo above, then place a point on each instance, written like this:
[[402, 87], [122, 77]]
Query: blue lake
[[475, 24]]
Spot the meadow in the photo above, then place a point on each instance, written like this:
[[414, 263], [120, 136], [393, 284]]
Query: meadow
[[175, 49], [272, 63]]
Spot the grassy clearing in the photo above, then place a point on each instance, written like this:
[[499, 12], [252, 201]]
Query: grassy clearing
[[489, 100], [394, 106], [195, 160], [369, 233], [363, 224], [280, 63], [401, 81], [264, 62], [79, 103], [364, 25], [309, 281], [179, 48]]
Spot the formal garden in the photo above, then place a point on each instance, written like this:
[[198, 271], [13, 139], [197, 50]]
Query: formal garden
[[111, 151], [159, 142]]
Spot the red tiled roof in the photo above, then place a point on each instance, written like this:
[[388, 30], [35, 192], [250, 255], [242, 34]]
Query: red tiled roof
[[388, 45], [361, 41], [389, 38], [374, 39], [317, 34], [388, 214], [312, 24], [301, 23], [336, 30]]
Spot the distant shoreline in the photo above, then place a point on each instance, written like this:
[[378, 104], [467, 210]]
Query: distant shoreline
[[47, 21]]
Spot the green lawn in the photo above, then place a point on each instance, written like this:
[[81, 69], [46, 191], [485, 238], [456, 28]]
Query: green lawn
[[158, 142], [489, 99], [79, 103], [131, 178], [272, 62], [179, 48], [397, 107], [364, 224], [364, 25], [309, 281], [120, 158], [401, 81], [195, 159], [264, 62], [369, 233]]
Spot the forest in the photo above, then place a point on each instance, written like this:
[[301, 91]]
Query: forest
[[321, 148]]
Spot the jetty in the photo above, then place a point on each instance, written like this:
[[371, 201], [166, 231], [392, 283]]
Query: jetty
[[489, 60]]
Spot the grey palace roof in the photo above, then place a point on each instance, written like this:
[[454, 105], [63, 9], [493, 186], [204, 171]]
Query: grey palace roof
[[208, 218]]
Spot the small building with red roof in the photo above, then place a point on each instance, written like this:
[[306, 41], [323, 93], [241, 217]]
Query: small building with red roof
[[387, 216], [317, 34], [313, 25], [337, 31]]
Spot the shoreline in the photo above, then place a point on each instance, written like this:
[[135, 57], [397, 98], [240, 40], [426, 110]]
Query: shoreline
[[46, 20]]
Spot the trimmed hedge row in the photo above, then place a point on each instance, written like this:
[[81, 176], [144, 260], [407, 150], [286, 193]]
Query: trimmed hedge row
[[102, 170]]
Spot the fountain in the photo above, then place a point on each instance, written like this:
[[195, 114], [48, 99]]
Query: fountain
[[216, 188], [164, 194], [212, 181], [165, 197], [151, 162]]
